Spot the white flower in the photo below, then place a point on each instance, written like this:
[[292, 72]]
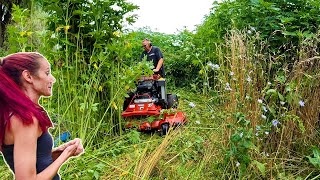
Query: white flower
[[257, 134], [247, 97], [241, 134], [53, 36], [282, 103], [265, 154], [191, 104], [267, 133], [115, 7], [57, 47], [264, 109], [237, 164], [249, 79], [177, 43], [269, 83], [260, 101], [198, 122], [228, 88], [213, 66], [263, 116], [231, 73], [301, 103]]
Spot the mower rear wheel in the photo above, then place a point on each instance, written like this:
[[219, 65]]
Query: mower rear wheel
[[164, 129], [172, 101], [125, 104]]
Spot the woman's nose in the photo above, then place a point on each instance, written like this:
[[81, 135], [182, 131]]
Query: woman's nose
[[53, 79]]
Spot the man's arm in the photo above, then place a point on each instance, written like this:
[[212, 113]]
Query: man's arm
[[160, 62]]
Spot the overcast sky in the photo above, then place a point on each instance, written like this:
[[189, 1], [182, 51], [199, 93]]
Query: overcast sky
[[168, 16]]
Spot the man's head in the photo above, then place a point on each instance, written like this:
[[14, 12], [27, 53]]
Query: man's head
[[146, 44]]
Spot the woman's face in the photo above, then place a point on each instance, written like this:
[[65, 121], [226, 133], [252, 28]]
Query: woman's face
[[43, 80]]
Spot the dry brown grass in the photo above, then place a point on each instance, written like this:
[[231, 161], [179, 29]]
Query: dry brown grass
[[149, 159], [246, 81]]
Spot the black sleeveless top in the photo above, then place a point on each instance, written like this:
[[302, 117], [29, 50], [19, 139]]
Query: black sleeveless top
[[44, 152]]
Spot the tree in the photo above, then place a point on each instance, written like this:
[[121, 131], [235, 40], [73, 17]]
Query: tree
[[282, 24], [91, 23], [5, 15]]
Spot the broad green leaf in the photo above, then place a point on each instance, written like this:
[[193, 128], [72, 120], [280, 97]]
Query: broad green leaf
[[280, 96], [287, 33], [261, 167], [248, 144], [272, 110], [271, 91], [195, 62], [287, 19], [288, 88], [77, 12]]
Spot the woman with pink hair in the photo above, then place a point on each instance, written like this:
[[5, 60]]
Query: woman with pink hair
[[25, 141]]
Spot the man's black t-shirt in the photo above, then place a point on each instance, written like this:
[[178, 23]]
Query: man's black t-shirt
[[154, 55]]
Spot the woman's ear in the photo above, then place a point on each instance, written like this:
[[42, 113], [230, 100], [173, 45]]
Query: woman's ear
[[27, 76]]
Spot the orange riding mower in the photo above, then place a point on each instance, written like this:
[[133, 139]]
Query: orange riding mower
[[151, 100]]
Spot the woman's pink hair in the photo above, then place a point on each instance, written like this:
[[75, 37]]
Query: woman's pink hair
[[13, 101]]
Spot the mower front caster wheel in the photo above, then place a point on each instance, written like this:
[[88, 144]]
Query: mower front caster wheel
[[164, 129]]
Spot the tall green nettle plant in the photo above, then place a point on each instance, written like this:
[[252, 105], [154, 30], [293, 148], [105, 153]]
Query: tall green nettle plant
[[281, 24], [89, 24]]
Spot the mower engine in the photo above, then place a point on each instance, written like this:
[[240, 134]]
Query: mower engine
[[147, 89]]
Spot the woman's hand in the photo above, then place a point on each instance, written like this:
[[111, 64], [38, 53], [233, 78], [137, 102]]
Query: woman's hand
[[71, 148], [78, 145]]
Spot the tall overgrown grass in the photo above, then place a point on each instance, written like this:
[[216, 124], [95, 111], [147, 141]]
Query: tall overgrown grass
[[272, 119]]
